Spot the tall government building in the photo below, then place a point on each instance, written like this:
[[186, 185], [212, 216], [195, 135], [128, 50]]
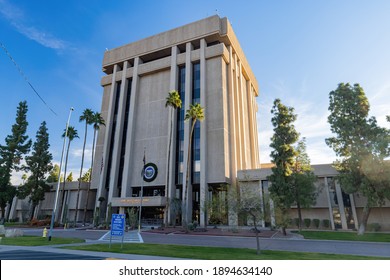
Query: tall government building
[[204, 62]]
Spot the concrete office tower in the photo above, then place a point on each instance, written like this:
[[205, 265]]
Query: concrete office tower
[[204, 62]]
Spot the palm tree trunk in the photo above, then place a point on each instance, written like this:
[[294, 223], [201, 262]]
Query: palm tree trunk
[[167, 210], [185, 189], [90, 177], [81, 174]]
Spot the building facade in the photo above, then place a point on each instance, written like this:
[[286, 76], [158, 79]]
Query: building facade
[[20, 209], [204, 62], [341, 210]]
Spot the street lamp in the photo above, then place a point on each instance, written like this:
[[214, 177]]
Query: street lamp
[[59, 177]]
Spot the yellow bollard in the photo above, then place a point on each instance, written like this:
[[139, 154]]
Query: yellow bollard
[[44, 234]]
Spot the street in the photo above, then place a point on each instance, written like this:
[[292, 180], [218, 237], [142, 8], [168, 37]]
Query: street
[[297, 245]]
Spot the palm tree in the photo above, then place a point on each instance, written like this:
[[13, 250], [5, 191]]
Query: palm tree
[[194, 113], [72, 134], [173, 101], [97, 120], [87, 117]]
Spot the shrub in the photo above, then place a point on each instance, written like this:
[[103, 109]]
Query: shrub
[[316, 223], [190, 226], [374, 227], [296, 222], [33, 222], [234, 230], [15, 220], [326, 223], [307, 222]]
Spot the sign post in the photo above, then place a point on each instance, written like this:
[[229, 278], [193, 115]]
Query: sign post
[[117, 226]]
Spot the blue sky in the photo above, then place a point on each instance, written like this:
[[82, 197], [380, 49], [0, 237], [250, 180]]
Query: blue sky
[[298, 50]]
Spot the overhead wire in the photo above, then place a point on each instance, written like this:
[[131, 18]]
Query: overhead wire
[[25, 78]]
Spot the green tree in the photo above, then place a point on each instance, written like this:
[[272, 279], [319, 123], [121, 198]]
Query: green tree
[[70, 177], [38, 164], [97, 121], [24, 177], [71, 135], [53, 175], [303, 183], [86, 176], [362, 147], [282, 156], [16, 146], [194, 113], [87, 117], [173, 102]]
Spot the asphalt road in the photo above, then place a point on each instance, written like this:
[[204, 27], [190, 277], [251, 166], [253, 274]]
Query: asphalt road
[[298, 245], [42, 255]]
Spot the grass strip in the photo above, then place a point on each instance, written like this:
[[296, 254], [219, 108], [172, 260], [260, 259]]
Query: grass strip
[[351, 236], [37, 241], [212, 253]]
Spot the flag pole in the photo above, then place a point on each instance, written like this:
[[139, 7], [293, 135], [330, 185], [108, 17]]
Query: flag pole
[[142, 192]]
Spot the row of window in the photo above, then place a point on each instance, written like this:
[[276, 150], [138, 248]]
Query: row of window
[[195, 149]]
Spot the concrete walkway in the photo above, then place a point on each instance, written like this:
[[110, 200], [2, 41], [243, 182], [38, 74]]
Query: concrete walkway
[[128, 237]]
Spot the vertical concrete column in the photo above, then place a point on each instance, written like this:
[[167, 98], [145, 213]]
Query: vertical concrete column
[[171, 187], [243, 117], [233, 219], [262, 203], [341, 206], [272, 212], [188, 101], [130, 128], [355, 218], [203, 140], [12, 213], [237, 103], [252, 131], [255, 110], [116, 153], [107, 137], [329, 204]]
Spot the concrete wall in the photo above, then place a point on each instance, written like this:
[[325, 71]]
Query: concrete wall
[[216, 124], [45, 207], [151, 127]]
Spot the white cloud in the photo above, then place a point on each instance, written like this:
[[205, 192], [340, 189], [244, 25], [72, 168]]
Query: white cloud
[[17, 19], [79, 152]]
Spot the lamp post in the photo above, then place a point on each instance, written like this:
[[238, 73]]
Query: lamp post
[[59, 177]]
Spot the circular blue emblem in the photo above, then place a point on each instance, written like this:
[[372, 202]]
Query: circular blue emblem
[[150, 172]]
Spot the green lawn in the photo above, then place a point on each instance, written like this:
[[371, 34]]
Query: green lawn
[[352, 236], [212, 253], [37, 241]]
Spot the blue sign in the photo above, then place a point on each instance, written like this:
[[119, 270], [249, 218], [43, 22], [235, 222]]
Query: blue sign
[[117, 224]]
